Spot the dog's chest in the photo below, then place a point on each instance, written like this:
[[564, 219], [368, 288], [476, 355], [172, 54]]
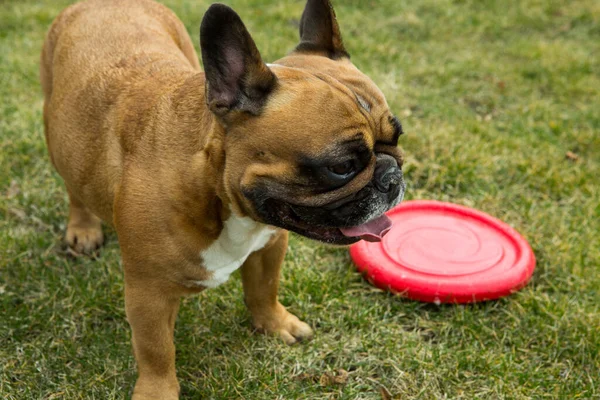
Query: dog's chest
[[239, 238]]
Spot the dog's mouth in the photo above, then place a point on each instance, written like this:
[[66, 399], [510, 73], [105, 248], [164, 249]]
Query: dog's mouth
[[358, 216], [373, 230]]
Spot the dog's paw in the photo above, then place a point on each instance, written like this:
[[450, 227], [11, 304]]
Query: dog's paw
[[282, 323], [84, 238]]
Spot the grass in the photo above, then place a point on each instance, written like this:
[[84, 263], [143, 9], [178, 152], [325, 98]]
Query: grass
[[493, 96]]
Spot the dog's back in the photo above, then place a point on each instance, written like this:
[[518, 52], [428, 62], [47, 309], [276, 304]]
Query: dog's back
[[95, 36]]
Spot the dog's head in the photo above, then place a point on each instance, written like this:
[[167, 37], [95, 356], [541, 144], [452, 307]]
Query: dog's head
[[310, 142]]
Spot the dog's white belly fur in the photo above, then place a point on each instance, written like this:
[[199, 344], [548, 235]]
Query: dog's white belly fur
[[240, 237]]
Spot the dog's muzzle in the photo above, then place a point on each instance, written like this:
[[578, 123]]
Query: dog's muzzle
[[388, 178]]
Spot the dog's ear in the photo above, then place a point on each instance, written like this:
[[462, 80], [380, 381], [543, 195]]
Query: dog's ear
[[319, 30], [236, 76]]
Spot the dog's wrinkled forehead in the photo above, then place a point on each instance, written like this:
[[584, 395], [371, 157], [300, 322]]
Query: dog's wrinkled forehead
[[372, 102], [369, 98]]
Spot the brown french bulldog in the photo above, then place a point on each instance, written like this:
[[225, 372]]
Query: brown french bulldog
[[203, 173]]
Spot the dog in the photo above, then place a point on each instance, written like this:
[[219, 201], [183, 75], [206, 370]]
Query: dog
[[204, 173]]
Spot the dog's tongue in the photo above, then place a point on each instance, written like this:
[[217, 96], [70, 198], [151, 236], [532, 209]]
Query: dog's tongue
[[372, 231]]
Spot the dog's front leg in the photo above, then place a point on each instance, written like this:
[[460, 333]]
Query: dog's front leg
[[151, 312], [260, 277]]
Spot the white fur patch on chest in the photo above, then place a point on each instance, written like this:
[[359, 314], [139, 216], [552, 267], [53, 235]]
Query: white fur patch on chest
[[240, 237]]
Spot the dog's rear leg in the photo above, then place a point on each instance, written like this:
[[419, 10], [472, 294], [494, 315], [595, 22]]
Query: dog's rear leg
[[84, 230], [151, 312]]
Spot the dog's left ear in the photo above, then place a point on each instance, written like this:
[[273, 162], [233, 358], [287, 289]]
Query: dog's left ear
[[236, 76], [320, 32]]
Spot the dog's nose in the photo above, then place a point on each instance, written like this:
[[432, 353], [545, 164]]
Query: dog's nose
[[387, 173]]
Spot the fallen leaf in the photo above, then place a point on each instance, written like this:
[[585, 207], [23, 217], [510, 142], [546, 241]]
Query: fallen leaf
[[325, 380], [571, 156], [341, 377]]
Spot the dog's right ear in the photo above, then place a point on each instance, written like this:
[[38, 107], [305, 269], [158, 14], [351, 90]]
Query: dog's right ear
[[236, 76], [320, 32]]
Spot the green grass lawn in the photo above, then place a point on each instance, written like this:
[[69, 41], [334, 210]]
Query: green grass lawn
[[501, 104]]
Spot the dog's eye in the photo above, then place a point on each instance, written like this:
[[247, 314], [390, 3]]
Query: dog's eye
[[342, 169]]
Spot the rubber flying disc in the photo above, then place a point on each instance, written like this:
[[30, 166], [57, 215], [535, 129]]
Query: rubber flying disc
[[445, 253]]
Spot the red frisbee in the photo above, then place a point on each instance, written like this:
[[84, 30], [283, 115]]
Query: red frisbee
[[445, 253]]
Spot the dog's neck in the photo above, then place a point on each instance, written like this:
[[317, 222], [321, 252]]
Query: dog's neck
[[201, 173]]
